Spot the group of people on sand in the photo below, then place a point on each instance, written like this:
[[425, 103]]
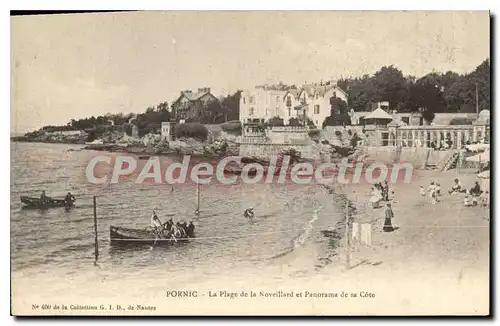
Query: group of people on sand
[[380, 192], [433, 192], [171, 230], [471, 195], [476, 196]]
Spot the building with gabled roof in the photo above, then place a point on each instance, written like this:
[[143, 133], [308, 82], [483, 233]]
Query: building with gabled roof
[[311, 101], [190, 105]]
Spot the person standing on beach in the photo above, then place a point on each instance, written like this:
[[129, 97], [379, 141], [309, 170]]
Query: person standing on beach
[[389, 215], [386, 190], [431, 190]]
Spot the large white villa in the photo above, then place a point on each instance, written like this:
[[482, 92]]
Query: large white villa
[[266, 102]]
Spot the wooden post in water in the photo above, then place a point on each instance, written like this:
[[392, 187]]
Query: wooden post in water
[[347, 242], [95, 229], [197, 211]]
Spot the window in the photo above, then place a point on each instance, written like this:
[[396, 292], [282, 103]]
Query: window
[[316, 122], [316, 109], [244, 100], [289, 111], [317, 95], [334, 94], [277, 99], [251, 111], [251, 99]]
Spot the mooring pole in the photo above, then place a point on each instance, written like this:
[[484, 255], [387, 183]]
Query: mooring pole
[[95, 230], [347, 242], [197, 212]]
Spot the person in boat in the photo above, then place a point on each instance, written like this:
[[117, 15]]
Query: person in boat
[[168, 225], [69, 199], [183, 227], [190, 229], [178, 232], [44, 199], [249, 213], [155, 222]]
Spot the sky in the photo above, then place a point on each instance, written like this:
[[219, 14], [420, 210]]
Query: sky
[[74, 66]]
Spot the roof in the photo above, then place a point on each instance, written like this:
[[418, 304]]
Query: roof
[[294, 92], [396, 123], [192, 97], [362, 114], [379, 114]]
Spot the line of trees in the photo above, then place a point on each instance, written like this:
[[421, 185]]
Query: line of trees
[[434, 92], [223, 110]]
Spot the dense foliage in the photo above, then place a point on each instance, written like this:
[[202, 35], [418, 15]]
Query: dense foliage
[[432, 93], [338, 113], [233, 127], [225, 109], [191, 130], [276, 122], [295, 122]]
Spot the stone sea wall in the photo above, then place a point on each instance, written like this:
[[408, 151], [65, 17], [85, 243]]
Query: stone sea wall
[[413, 155], [267, 150]]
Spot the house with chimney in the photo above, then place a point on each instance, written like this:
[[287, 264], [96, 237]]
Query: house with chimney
[[191, 105], [309, 102]]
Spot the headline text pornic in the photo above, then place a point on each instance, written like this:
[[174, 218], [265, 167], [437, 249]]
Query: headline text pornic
[[225, 294]]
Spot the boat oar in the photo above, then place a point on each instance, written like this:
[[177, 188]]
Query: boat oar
[[156, 239]]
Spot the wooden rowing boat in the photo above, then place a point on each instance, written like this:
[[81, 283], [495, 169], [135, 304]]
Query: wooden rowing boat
[[36, 203], [128, 236]]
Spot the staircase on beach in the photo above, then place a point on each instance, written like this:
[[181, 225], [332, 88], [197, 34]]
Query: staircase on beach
[[449, 162]]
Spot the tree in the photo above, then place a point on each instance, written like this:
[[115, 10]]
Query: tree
[[427, 93], [231, 106], [276, 122], [215, 112], [428, 115], [389, 84], [294, 122], [338, 113]]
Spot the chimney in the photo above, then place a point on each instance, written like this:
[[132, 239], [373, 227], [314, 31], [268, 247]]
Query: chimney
[[204, 90]]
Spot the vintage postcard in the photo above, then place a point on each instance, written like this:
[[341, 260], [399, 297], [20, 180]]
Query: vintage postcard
[[250, 163]]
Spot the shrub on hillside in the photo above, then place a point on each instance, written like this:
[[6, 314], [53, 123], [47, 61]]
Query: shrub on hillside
[[276, 122], [233, 127], [313, 133], [191, 130], [294, 122]]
